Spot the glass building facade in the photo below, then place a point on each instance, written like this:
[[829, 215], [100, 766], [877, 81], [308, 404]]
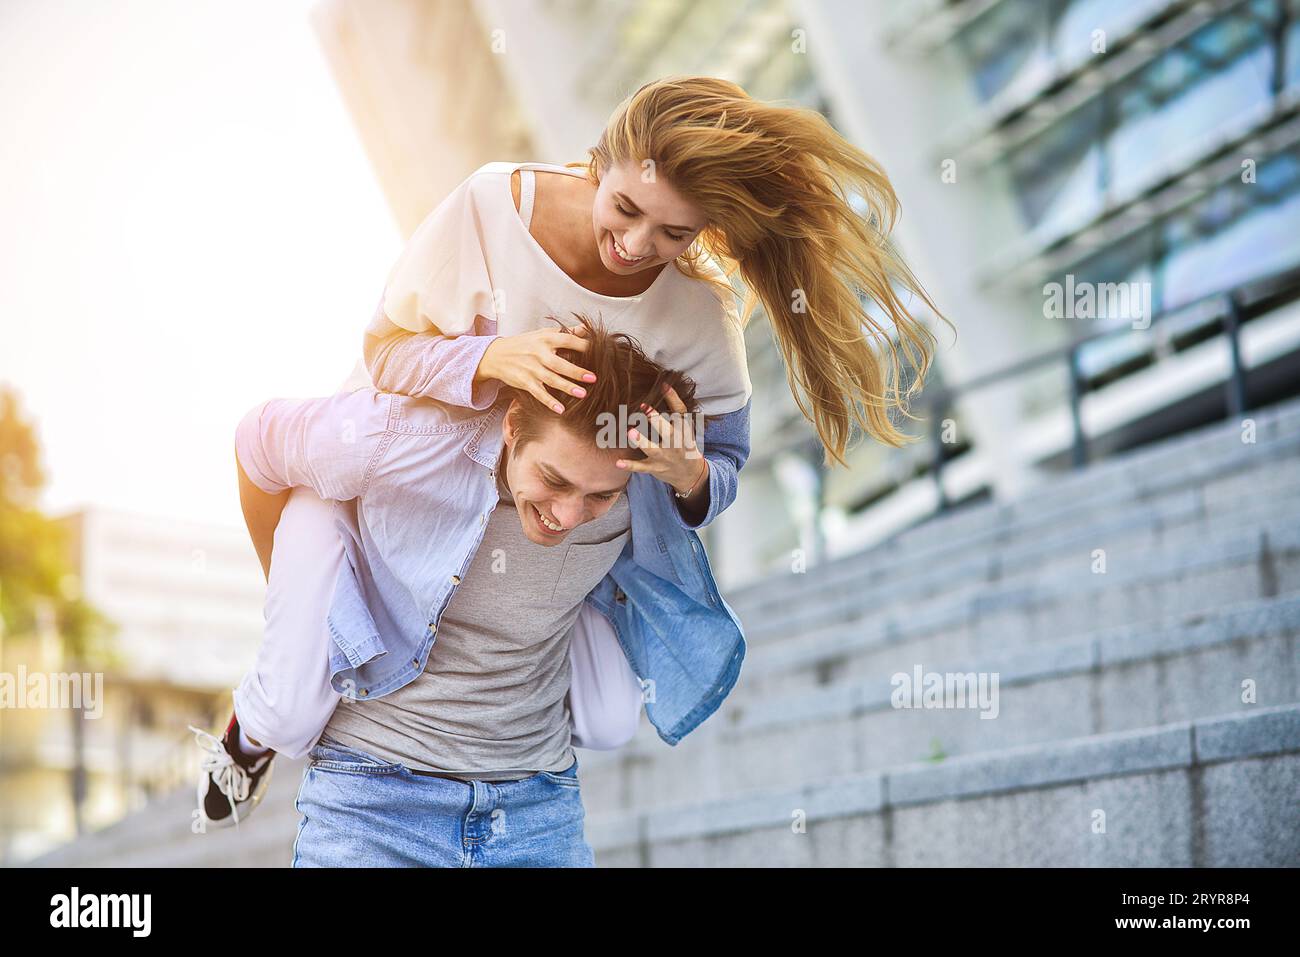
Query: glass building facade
[[1095, 143], [1113, 119]]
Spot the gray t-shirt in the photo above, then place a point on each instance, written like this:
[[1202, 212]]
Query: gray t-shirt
[[492, 701]]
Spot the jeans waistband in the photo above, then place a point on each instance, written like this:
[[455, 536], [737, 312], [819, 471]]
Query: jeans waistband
[[456, 777]]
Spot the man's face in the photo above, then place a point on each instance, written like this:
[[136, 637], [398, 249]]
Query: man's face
[[559, 481]]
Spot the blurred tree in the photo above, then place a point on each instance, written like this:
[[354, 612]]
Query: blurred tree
[[37, 579], [35, 558]]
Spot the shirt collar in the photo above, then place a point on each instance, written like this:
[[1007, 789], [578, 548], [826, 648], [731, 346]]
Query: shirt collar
[[503, 490], [484, 445]]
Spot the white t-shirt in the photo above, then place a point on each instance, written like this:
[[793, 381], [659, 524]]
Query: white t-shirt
[[474, 256]]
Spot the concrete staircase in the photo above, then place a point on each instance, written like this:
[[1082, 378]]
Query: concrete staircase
[[1147, 709], [1120, 738], [162, 834]]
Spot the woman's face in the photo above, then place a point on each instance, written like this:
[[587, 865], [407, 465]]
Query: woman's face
[[641, 224]]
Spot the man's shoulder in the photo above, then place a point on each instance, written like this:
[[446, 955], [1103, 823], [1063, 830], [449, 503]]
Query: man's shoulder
[[420, 415]]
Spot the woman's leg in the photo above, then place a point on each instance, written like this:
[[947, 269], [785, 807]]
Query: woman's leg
[[605, 695], [285, 701]]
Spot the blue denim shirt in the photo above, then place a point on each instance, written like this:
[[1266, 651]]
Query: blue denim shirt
[[415, 482]]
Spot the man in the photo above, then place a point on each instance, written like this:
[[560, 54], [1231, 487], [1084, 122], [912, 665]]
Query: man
[[473, 542]]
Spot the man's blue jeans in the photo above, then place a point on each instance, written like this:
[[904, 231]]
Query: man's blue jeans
[[359, 811]]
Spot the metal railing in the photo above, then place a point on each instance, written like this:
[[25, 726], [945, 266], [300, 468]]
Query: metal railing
[[1234, 307]]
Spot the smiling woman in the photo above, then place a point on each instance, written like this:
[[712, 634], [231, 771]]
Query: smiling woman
[[643, 220], [765, 189], [556, 205]]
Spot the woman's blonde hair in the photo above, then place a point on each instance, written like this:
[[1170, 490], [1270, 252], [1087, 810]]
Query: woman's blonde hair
[[775, 181]]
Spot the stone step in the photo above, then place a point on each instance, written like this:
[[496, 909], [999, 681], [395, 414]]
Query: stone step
[[1215, 792], [1186, 514], [1083, 500], [1257, 559], [1119, 679], [1149, 533], [161, 834]]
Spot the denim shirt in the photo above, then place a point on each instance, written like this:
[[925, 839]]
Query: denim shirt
[[414, 481]]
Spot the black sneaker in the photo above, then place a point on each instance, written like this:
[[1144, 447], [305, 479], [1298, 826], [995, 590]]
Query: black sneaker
[[231, 782]]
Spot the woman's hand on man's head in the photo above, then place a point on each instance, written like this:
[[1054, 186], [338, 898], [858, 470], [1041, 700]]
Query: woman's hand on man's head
[[530, 362]]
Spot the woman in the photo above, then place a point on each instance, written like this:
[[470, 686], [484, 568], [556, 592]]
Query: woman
[[691, 181]]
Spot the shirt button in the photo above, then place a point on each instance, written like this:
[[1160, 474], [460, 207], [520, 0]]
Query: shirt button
[[416, 662], [455, 579], [363, 692]]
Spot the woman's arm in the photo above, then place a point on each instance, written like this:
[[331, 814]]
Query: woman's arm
[[438, 313], [429, 364], [434, 332], [469, 370], [726, 448], [674, 459]]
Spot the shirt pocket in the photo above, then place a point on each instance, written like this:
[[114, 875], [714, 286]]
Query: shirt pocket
[[584, 566]]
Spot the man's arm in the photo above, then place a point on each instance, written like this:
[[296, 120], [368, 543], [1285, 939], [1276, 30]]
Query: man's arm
[[262, 512]]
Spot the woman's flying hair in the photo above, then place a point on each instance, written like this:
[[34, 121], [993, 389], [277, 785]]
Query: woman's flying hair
[[778, 184]]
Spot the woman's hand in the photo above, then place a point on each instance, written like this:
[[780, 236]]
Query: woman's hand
[[673, 456], [529, 362]]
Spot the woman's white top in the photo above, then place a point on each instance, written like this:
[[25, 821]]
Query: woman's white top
[[473, 267]]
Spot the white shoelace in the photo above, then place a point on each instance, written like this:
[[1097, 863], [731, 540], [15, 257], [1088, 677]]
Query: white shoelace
[[231, 779]]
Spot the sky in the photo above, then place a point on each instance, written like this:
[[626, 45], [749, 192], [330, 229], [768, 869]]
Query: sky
[[188, 226]]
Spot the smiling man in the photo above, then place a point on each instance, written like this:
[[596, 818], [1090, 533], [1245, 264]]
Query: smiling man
[[472, 541]]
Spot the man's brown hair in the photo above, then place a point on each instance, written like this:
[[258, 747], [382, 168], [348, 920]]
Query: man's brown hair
[[625, 377]]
